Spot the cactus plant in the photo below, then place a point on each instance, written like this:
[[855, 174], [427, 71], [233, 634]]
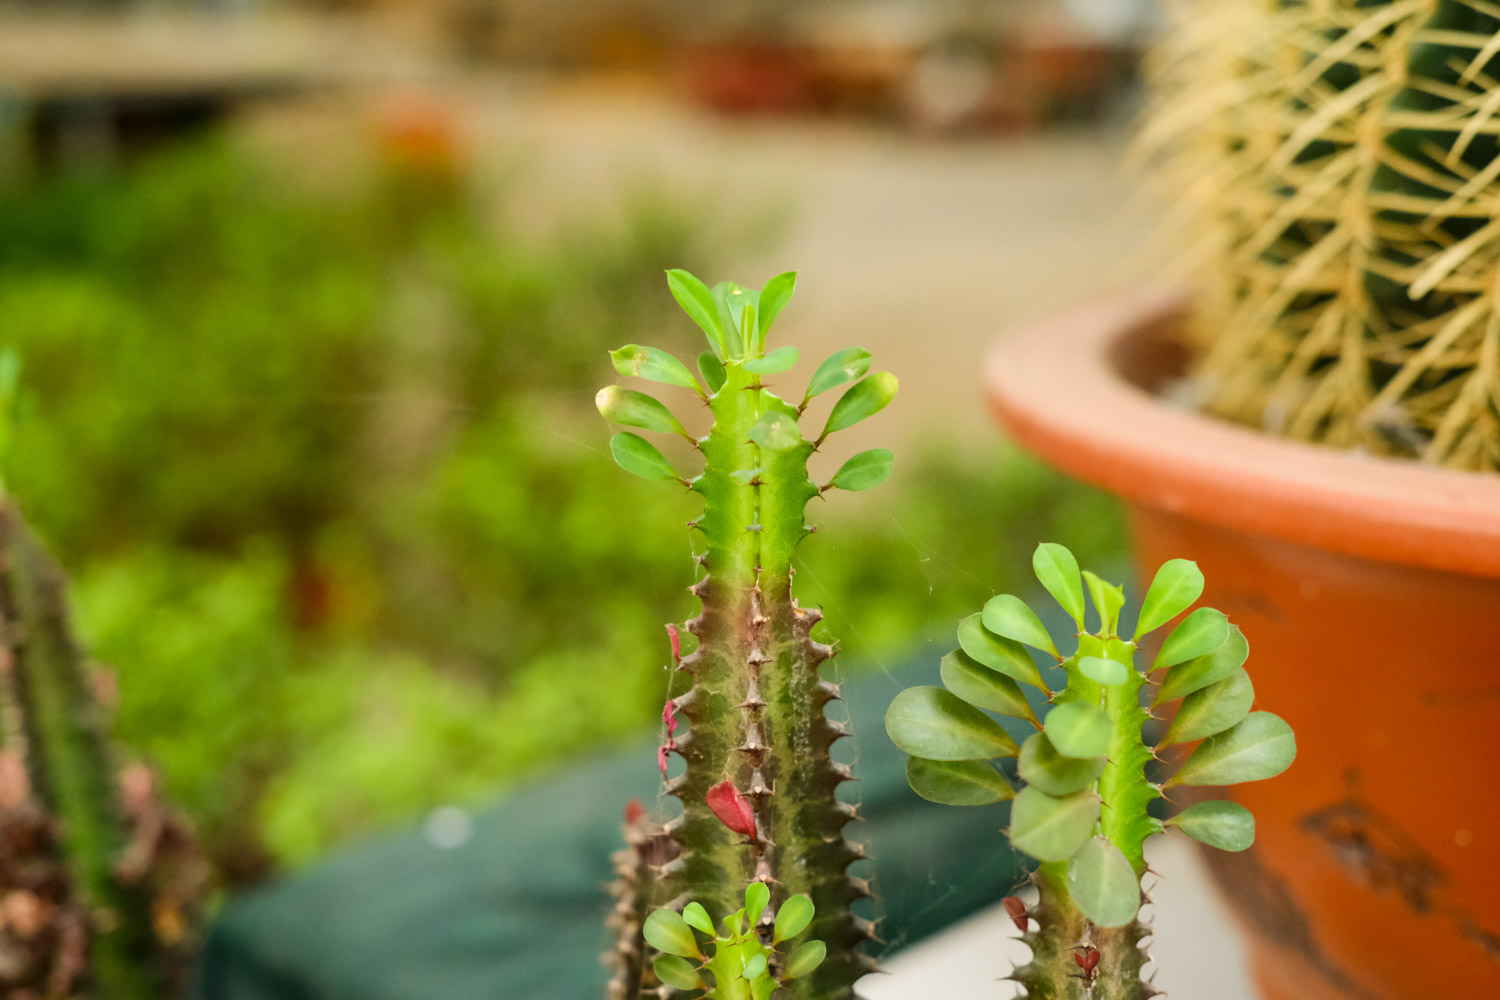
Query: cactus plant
[[1336, 163], [1083, 812], [759, 787], [98, 880]]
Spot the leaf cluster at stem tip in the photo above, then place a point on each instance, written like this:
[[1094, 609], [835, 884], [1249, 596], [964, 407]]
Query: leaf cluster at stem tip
[[738, 964], [1084, 788], [736, 321]]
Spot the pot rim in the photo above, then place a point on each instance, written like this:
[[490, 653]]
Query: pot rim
[[1070, 388]]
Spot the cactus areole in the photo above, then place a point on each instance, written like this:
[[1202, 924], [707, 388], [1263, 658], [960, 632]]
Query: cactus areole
[[758, 789]]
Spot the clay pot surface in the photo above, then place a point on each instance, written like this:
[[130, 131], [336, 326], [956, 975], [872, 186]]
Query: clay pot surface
[[1369, 590]]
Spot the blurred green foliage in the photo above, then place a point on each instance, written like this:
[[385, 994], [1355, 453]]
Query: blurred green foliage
[[325, 466]]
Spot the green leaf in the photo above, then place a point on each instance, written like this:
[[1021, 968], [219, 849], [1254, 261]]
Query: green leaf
[[805, 959], [776, 432], [712, 370], [654, 364], [1078, 729], [1103, 671], [1261, 746], [668, 932], [1005, 655], [793, 917], [1108, 600], [838, 368], [957, 782], [757, 898], [1043, 768], [1211, 710], [697, 918], [1178, 584], [755, 968], [1201, 632], [865, 399], [1103, 884], [619, 405], [1228, 826], [749, 336], [640, 457], [698, 302], [933, 723], [1052, 829], [1201, 671], [774, 297], [1007, 616], [863, 471], [677, 973], [984, 688], [773, 363], [1057, 569]]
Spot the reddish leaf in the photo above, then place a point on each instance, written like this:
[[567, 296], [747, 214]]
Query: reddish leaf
[[1017, 911], [634, 811], [662, 753], [669, 715], [676, 638], [1087, 959], [732, 808]]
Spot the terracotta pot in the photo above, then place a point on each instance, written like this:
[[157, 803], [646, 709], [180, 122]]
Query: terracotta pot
[[1370, 592]]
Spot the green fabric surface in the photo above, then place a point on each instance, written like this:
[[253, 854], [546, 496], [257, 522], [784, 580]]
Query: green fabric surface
[[518, 910]]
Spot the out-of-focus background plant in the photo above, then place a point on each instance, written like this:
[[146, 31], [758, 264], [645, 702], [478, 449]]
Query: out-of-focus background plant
[[322, 458]]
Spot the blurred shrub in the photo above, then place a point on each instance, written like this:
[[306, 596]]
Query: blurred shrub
[[326, 468]]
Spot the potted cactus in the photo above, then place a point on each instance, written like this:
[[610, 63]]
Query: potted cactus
[[757, 860], [1335, 163], [1090, 775]]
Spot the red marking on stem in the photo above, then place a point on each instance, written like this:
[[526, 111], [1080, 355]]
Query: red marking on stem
[[1017, 911], [732, 808], [669, 715]]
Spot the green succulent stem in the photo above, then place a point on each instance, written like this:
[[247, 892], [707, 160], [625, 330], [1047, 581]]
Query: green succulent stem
[[1062, 932]]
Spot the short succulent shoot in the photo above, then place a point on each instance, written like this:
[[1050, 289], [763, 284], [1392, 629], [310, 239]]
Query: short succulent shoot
[[1081, 810], [759, 786]]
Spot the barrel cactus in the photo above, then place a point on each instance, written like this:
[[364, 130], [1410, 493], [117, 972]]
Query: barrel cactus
[[1083, 811], [759, 786], [1335, 164]]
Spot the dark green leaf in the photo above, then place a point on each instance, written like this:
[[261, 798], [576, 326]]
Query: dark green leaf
[[774, 297], [640, 457], [1043, 768], [1177, 585], [776, 432], [1103, 671], [793, 917], [865, 470], [1201, 632], [1103, 884], [1005, 655], [1108, 600], [667, 932], [1057, 569], [866, 398], [843, 366], [654, 364], [677, 973], [1078, 729], [805, 959], [1201, 671], [624, 406], [1211, 710], [984, 688], [698, 302], [712, 370], [1006, 615], [1228, 826], [1261, 746], [697, 918], [936, 724], [773, 363], [957, 782], [1052, 829]]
